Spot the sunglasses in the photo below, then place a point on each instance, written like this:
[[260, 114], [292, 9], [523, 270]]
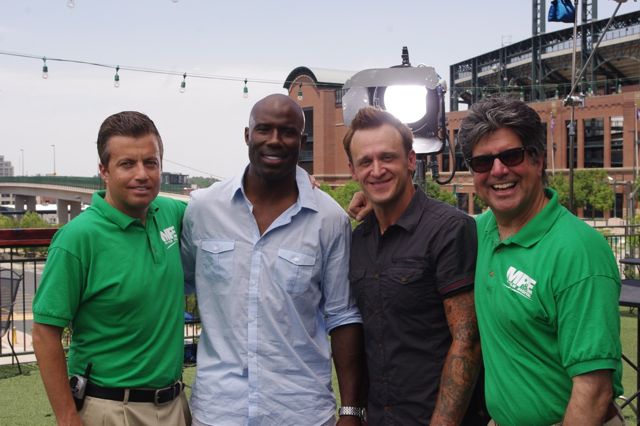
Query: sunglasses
[[510, 158]]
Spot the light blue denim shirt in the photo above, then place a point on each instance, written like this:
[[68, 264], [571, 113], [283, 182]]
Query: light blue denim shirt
[[267, 304]]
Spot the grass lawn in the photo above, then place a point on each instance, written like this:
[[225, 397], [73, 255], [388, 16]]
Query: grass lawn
[[24, 402], [628, 333]]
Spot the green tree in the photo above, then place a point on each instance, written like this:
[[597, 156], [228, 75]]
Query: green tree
[[590, 188], [595, 189], [434, 190], [343, 193], [33, 220], [480, 205], [561, 185], [7, 222]]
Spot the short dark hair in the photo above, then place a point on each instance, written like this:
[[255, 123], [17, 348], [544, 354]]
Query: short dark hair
[[126, 123], [500, 112], [372, 118]]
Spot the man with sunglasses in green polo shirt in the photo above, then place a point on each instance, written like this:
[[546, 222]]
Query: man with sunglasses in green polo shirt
[[547, 284], [114, 276]]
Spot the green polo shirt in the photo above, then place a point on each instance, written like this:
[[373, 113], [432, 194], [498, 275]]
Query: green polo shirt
[[119, 285], [547, 305]]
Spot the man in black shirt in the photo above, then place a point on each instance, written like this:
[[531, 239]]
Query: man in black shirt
[[412, 270]]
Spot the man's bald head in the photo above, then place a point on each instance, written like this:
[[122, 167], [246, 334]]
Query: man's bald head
[[277, 102], [274, 136]]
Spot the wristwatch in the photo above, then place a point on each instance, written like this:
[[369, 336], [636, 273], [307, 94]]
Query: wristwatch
[[359, 412]]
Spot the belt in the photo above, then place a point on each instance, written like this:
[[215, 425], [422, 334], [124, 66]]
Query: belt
[[157, 396]]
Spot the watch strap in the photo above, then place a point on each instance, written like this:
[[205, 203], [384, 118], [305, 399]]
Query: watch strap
[[348, 410]]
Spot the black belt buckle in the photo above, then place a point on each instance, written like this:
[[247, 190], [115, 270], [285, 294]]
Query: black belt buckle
[[168, 394]]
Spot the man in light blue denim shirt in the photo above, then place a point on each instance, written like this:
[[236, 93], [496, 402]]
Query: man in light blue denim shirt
[[269, 256]]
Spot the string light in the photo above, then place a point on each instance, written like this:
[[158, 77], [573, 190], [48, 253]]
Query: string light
[[459, 89], [45, 69], [116, 78], [183, 85], [300, 96]]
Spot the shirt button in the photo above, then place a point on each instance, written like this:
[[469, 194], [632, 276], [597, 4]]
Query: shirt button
[[252, 354], [376, 275], [491, 274], [296, 258], [215, 248]]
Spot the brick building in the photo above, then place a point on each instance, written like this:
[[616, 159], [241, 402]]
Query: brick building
[[538, 70]]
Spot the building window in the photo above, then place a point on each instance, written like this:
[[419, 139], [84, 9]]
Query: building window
[[463, 201], [446, 163], [590, 212], [339, 94], [308, 124], [594, 143], [461, 166], [617, 124], [306, 150], [617, 206]]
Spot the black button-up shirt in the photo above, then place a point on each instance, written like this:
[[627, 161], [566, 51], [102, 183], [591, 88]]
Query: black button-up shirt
[[400, 279]]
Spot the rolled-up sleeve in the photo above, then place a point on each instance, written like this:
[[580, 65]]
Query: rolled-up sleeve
[[339, 303]]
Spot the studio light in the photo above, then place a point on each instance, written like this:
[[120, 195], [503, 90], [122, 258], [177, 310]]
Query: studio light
[[415, 95]]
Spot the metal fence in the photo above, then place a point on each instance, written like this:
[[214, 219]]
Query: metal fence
[[624, 241], [25, 252]]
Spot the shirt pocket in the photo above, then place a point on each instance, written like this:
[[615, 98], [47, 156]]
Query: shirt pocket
[[216, 258], [406, 288], [294, 270]]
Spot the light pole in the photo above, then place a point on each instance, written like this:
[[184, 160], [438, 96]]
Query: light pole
[[613, 183], [554, 112], [22, 161], [54, 158]]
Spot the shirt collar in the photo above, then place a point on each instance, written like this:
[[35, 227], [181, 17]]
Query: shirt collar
[[410, 217], [114, 215], [306, 198], [536, 228]]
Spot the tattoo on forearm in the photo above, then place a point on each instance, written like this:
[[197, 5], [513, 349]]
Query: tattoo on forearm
[[462, 364]]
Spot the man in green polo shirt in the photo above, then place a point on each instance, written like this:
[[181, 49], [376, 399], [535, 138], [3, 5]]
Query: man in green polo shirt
[[114, 276], [547, 284]]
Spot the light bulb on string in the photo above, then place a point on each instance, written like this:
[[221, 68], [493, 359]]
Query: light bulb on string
[[116, 78], [45, 69], [300, 96], [183, 85], [71, 4], [245, 91]]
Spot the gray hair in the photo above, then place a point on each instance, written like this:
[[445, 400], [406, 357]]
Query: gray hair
[[496, 113]]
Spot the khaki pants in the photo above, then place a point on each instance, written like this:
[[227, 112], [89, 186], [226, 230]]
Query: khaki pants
[[104, 412]]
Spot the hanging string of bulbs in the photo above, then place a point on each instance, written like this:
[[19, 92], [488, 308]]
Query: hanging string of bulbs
[[183, 84]]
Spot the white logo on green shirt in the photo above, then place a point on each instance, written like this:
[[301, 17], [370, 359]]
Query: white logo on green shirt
[[520, 282], [169, 236]]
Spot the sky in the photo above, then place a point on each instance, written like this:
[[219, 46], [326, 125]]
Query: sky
[[262, 41]]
